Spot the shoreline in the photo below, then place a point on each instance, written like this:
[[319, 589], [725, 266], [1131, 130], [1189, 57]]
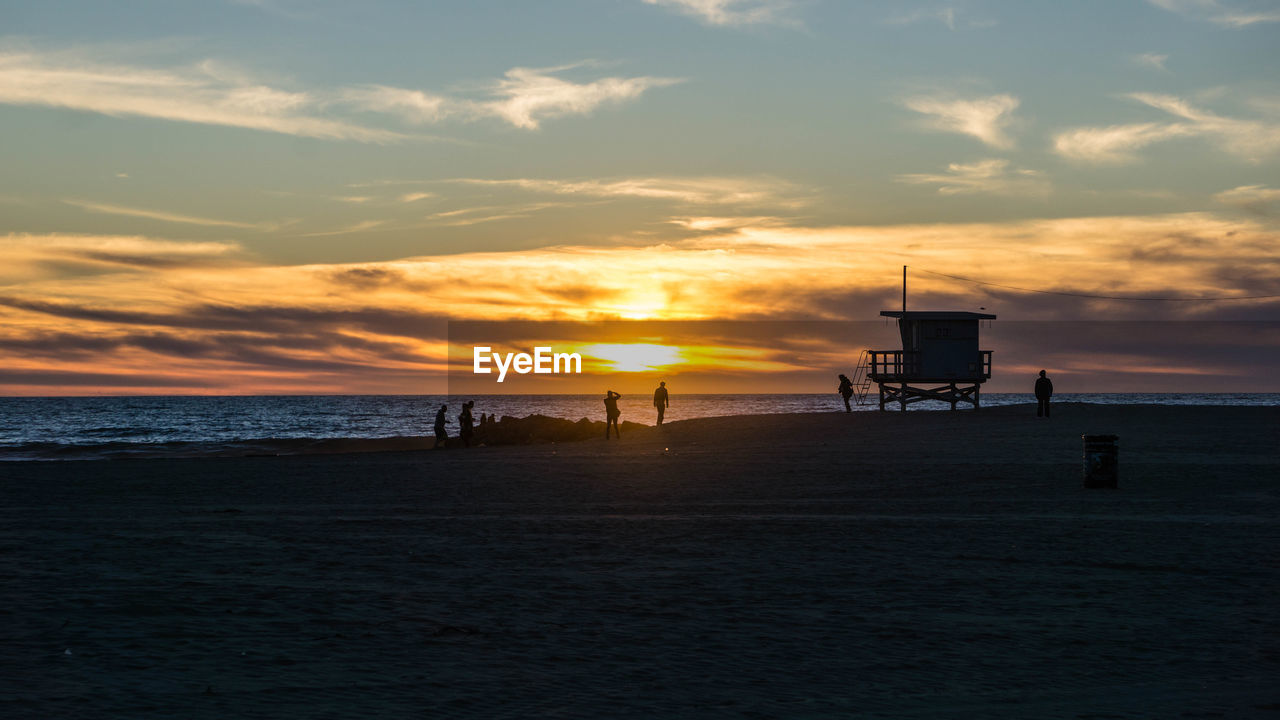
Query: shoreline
[[530, 430]]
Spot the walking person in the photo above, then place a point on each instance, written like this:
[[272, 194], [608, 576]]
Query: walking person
[[1044, 391], [611, 413], [661, 400], [442, 435], [846, 391], [466, 423]]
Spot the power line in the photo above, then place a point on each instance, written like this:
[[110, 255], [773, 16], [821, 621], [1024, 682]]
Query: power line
[[1100, 297]]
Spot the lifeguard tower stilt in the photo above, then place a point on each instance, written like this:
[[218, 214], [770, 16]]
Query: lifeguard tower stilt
[[939, 359]]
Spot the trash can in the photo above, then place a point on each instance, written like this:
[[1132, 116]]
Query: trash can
[[1101, 458]]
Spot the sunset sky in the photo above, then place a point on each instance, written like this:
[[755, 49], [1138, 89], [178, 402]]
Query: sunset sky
[[259, 196]]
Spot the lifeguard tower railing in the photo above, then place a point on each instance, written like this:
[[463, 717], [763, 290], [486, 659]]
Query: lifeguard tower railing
[[904, 365]]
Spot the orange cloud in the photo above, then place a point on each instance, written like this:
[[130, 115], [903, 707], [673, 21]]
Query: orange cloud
[[84, 313]]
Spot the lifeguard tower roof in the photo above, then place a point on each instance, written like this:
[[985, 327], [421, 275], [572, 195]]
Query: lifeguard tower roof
[[935, 315]]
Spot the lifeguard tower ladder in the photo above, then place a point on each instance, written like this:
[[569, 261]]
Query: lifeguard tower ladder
[[861, 379], [939, 359]]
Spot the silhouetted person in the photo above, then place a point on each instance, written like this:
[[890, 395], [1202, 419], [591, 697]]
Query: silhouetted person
[[1044, 391], [661, 400], [846, 391], [466, 424], [611, 413], [442, 435]]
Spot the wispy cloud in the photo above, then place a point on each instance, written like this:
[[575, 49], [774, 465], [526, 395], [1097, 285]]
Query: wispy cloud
[[209, 93], [732, 12], [1257, 199], [988, 177], [946, 14], [170, 217], [414, 106], [523, 97], [29, 256], [986, 118], [689, 190], [721, 225], [1225, 14], [353, 228], [1251, 140], [1155, 61], [1114, 144], [526, 96], [189, 94], [462, 217]]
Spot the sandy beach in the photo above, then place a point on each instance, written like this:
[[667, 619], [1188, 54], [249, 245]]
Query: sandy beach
[[926, 564]]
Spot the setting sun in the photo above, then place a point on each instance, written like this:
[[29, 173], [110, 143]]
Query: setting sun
[[632, 357]]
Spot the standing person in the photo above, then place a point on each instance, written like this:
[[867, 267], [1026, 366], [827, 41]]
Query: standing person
[[1044, 391], [466, 423], [661, 400], [611, 413], [846, 391], [442, 435]]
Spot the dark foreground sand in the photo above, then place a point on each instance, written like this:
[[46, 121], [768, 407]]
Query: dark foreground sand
[[930, 564]]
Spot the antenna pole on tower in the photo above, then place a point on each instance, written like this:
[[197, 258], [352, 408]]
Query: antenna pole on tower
[[904, 288]]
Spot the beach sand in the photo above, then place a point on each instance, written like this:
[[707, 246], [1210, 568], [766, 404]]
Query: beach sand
[[921, 564]]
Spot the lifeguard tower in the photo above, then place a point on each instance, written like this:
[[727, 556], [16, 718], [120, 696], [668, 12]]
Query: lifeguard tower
[[940, 359]]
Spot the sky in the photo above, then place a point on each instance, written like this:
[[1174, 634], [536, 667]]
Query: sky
[[298, 196]]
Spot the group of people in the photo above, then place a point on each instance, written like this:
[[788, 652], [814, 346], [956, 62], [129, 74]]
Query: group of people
[[466, 422], [661, 401]]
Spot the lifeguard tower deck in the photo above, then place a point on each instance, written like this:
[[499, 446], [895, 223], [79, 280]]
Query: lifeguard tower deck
[[940, 359]]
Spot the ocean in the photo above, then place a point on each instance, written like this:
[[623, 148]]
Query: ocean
[[75, 428]]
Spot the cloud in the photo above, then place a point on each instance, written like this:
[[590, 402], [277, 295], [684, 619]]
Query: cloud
[[1251, 140], [193, 94], [414, 106], [984, 118], [1154, 61], [125, 308], [688, 190], [732, 12], [990, 177], [1229, 14], [416, 196], [33, 257], [523, 97], [211, 94], [1257, 199], [711, 224], [353, 228], [526, 96], [1114, 144], [946, 14], [166, 216]]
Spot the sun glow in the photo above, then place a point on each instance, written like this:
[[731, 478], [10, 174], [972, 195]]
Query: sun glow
[[647, 306], [631, 357]]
